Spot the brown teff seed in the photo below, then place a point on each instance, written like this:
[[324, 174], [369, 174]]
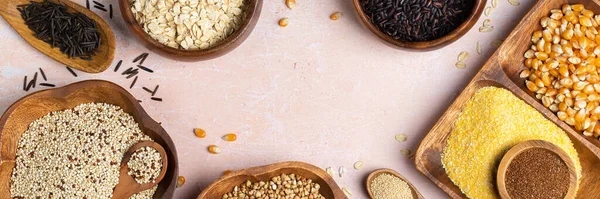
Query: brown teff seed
[[214, 149], [180, 181], [291, 4], [199, 132], [230, 137], [284, 22], [537, 173], [335, 16]]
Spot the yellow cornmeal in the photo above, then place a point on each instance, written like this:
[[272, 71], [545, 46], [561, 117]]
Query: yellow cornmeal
[[493, 121]]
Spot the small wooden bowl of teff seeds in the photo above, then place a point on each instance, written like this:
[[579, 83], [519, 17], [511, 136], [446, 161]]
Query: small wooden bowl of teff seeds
[[419, 25], [191, 30]]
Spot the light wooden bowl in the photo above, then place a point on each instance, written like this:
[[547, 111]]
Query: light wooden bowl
[[502, 70], [225, 184], [532, 144], [101, 61], [376, 173], [222, 48], [457, 33], [16, 119]]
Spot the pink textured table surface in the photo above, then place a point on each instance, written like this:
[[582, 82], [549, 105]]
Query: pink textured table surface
[[320, 91]]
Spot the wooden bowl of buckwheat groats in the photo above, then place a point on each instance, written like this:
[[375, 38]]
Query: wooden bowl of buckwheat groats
[[95, 122], [282, 177], [191, 30]]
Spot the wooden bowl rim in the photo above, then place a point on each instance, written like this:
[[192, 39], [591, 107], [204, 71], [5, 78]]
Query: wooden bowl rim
[[415, 193], [533, 144], [255, 171], [144, 119], [226, 45], [445, 40]]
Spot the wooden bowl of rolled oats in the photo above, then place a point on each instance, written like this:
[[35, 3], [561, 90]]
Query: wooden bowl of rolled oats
[[191, 30], [282, 178], [76, 136]]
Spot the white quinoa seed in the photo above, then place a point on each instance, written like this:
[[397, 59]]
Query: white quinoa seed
[[93, 139], [145, 165]]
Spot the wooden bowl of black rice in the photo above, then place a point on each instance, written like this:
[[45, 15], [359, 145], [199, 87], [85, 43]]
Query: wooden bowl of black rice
[[419, 25]]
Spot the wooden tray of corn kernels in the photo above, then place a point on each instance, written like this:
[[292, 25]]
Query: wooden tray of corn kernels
[[503, 70]]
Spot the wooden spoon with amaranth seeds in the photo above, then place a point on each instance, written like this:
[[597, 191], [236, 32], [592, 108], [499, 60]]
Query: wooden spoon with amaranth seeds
[[127, 184], [100, 61]]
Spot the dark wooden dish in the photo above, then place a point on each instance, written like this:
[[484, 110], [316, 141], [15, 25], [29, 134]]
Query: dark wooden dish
[[502, 70], [222, 48], [225, 184], [101, 61], [424, 45], [15, 121], [533, 144], [376, 173]]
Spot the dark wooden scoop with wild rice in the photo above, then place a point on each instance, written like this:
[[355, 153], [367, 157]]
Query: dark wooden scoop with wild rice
[[64, 31]]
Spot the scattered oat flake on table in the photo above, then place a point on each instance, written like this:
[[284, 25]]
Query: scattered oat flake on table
[[291, 4], [335, 16], [486, 28], [497, 43], [487, 11], [514, 2], [487, 22], [284, 22], [401, 137], [330, 171], [180, 181], [460, 65], [478, 48], [494, 3], [341, 171], [358, 165], [347, 192], [405, 152], [463, 56]]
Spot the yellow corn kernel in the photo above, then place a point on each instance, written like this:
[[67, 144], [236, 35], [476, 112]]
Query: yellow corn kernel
[[537, 34], [199, 132], [230, 137], [284, 22], [547, 35], [528, 62], [585, 21], [563, 71], [567, 34], [214, 149], [531, 86], [569, 15], [335, 16], [577, 7], [541, 56], [566, 7], [180, 181], [588, 13]]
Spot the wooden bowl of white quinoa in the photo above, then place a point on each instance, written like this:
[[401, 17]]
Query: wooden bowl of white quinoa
[[30, 111]]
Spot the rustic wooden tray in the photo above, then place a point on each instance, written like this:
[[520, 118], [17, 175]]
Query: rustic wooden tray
[[225, 184], [502, 70], [16, 119]]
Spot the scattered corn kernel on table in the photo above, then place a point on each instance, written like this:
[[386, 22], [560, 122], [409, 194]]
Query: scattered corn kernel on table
[[322, 91]]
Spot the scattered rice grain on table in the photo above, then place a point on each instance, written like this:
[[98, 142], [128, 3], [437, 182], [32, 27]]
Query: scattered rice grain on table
[[493, 121]]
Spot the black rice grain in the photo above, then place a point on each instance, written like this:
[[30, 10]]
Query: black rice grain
[[47, 85], [75, 34], [133, 83], [72, 71], [417, 20], [118, 65], [43, 74], [156, 99]]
